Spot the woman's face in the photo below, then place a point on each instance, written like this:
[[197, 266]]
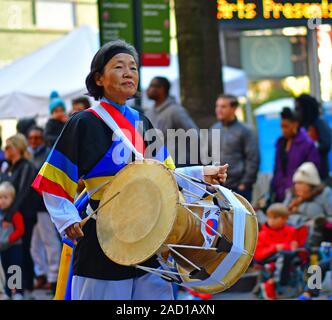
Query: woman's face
[[11, 152], [289, 128], [302, 189], [120, 78]]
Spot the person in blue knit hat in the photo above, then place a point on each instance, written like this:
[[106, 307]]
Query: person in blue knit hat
[[58, 118]]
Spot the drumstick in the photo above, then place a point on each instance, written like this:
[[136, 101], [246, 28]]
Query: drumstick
[[85, 220]]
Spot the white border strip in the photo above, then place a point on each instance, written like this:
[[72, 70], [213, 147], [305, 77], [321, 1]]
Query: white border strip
[[239, 223], [113, 125]]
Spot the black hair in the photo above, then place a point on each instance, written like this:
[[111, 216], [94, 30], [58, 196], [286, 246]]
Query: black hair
[[37, 128], [232, 99], [99, 61], [164, 82], [24, 125], [288, 114], [308, 109], [83, 100]]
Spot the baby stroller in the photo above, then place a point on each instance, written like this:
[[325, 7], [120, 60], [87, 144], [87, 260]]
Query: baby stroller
[[292, 283]]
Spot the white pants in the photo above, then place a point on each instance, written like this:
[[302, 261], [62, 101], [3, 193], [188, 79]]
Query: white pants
[[147, 287], [45, 247]]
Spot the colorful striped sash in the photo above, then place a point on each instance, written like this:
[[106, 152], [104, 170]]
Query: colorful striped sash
[[122, 127]]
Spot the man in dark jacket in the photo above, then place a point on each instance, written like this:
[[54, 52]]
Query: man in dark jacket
[[168, 114], [238, 147]]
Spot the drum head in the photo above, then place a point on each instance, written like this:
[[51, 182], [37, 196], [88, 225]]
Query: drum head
[[134, 225], [242, 264]]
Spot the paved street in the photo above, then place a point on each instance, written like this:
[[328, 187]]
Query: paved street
[[46, 295]]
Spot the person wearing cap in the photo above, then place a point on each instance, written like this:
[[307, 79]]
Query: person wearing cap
[[310, 202], [58, 118], [88, 148], [276, 244]]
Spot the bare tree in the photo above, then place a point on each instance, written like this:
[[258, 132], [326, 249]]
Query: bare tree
[[199, 57]]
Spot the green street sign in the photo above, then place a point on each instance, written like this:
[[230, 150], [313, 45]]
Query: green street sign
[[149, 18], [155, 32], [116, 20]]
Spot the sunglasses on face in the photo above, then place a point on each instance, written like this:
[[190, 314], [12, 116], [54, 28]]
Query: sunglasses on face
[[34, 138]]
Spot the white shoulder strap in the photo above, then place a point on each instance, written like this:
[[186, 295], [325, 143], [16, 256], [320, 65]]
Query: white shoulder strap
[[107, 118]]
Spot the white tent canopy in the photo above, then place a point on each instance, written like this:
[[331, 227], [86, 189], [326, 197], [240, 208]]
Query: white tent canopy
[[63, 65]]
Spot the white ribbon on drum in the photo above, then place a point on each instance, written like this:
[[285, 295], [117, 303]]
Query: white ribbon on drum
[[239, 224]]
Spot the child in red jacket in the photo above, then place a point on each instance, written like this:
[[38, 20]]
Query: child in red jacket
[[276, 244], [11, 232]]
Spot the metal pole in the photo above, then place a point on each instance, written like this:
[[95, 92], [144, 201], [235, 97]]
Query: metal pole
[[314, 74], [138, 44], [249, 113]]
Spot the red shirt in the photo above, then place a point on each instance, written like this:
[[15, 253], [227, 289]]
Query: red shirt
[[18, 230], [269, 238]]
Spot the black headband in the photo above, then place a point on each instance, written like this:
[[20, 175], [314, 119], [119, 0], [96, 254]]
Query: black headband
[[111, 53]]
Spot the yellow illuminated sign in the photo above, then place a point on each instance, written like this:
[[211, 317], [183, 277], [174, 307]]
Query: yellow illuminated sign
[[273, 10], [241, 9]]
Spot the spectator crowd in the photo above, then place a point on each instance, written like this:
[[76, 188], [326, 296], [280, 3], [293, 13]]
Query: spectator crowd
[[297, 215]]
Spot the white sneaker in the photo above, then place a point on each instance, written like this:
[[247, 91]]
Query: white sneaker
[[17, 296]]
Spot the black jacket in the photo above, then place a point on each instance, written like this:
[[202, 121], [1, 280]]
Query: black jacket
[[39, 158], [238, 148], [323, 145], [21, 175], [53, 129]]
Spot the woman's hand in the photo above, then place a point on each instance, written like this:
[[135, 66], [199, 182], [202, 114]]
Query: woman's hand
[[294, 204], [74, 232], [215, 174]]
